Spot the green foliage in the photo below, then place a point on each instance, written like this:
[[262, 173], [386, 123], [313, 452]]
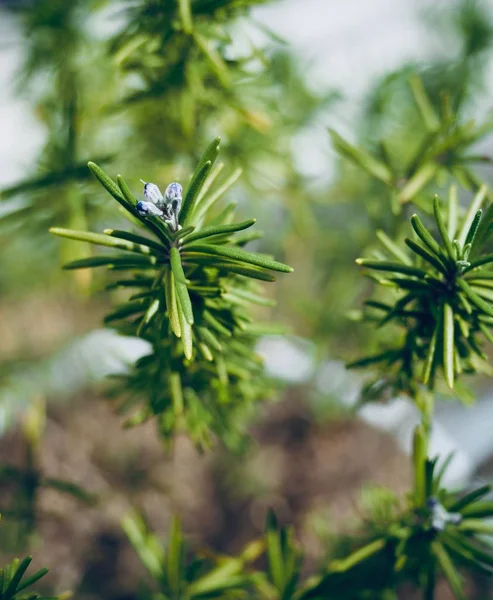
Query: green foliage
[[179, 50], [13, 584], [443, 153], [438, 532], [442, 299], [284, 561], [189, 283], [435, 532], [179, 572], [192, 288]]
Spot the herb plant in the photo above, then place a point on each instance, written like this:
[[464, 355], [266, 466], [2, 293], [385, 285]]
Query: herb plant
[[192, 284], [186, 283]]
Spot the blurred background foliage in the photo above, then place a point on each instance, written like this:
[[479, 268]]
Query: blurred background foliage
[[140, 87]]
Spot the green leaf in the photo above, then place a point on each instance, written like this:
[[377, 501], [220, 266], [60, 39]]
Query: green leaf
[[125, 310], [442, 470], [149, 314], [183, 297], [176, 392], [430, 357], [185, 327], [478, 510], [362, 158], [213, 175], [393, 267], [389, 356], [469, 498], [217, 65], [176, 266], [274, 551], [410, 284], [246, 297], [110, 186], [29, 581], [67, 487], [425, 236], [101, 239], [251, 272], [126, 192], [471, 215], [481, 277], [452, 212], [471, 234], [186, 15], [171, 303], [427, 256], [240, 255], [453, 543], [448, 569], [342, 565], [211, 320], [442, 230], [210, 338], [175, 556], [417, 182], [448, 344], [193, 191], [393, 248], [483, 260], [484, 231], [137, 239], [132, 262], [480, 555], [219, 580], [423, 103], [218, 230], [206, 204], [92, 261], [16, 579], [136, 531], [210, 154], [474, 298], [476, 526], [420, 453]]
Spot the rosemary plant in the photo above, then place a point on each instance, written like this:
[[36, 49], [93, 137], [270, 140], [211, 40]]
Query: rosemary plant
[[193, 279], [179, 572], [180, 50], [193, 282], [13, 584], [444, 300]]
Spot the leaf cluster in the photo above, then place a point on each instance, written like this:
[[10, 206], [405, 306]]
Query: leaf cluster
[[435, 532], [182, 51], [442, 299], [191, 290], [179, 571], [411, 544], [15, 586]]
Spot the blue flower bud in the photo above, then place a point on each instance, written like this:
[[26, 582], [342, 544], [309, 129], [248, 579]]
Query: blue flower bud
[[153, 194], [146, 209], [173, 192], [440, 517], [432, 502]]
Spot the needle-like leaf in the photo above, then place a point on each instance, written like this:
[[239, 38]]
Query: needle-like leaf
[[448, 344]]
